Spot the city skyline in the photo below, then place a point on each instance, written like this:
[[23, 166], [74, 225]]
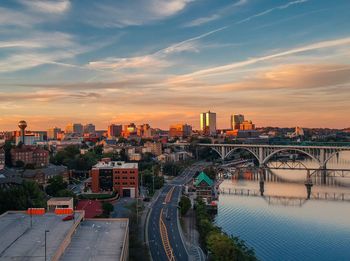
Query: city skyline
[[280, 63]]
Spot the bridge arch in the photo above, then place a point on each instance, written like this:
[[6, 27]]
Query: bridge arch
[[218, 152], [331, 156], [243, 148], [267, 158]]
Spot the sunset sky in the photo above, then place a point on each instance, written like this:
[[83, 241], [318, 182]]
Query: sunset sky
[[279, 62]]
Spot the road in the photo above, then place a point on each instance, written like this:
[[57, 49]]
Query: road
[[164, 231]]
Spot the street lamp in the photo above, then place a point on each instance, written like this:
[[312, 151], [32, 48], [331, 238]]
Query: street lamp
[[46, 231]]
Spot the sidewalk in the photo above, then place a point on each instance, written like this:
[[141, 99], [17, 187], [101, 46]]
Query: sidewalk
[[192, 236]]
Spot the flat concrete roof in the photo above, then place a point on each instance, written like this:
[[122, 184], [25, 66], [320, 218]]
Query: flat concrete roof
[[60, 199], [97, 240], [18, 241], [115, 165]]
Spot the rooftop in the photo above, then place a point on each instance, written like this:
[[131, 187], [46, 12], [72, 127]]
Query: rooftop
[[60, 199], [94, 239], [97, 240], [116, 165], [20, 241], [203, 177]]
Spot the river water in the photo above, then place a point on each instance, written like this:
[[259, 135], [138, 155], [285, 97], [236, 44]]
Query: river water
[[283, 225]]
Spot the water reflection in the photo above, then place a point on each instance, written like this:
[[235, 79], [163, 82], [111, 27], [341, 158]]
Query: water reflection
[[283, 224]]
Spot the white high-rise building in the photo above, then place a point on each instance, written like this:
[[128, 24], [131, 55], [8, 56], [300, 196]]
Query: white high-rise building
[[208, 123]]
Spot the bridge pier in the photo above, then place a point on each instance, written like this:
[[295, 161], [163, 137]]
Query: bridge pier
[[262, 181], [308, 184]]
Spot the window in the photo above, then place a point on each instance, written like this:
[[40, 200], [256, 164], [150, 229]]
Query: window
[[124, 183], [125, 177]]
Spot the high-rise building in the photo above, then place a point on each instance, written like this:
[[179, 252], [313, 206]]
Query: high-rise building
[[52, 133], [236, 120], [114, 130], [89, 128], [208, 123], [129, 130], [247, 125], [180, 130], [145, 131], [74, 128]]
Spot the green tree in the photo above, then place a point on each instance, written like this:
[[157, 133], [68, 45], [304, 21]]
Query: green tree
[[7, 148], [211, 172], [184, 204], [21, 197], [55, 185], [220, 247], [107, 208], [19, 164]]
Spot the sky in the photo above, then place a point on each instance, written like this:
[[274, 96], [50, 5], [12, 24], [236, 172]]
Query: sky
[[279, 62]]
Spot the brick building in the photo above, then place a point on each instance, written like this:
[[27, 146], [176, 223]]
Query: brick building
[[116, 176], [30, 155], [154, 147]]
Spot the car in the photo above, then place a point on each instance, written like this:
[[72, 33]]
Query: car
[[67, 218]]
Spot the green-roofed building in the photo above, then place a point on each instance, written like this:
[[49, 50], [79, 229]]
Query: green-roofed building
[[204, 186]]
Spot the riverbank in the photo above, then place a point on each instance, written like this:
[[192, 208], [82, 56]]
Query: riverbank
[[217, 244]]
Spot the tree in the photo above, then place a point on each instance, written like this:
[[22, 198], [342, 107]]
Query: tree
[[184, 204], [107, 208], [55, 185], [210, 171], [20, 164], [30, 166], [7, 149], [21, 197], [171, 169], [220, 247]]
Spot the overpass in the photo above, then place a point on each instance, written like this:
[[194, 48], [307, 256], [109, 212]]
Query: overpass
[[264, 152]]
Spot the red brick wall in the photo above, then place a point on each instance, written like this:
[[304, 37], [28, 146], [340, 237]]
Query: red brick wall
[[127, 178], [95, 182]]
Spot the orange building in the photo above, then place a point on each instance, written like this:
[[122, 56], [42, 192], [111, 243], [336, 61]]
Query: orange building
[[180, 130], [116, 176]]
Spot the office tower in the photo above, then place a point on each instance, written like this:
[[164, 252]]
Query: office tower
[[180, 130], [208, 123], [114, 130], [74, 128], [89, 128], [236, 121], [52, 133]]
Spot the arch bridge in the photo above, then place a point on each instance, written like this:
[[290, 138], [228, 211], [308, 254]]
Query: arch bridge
[[263, 153]]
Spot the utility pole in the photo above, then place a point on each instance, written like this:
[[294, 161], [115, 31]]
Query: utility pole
[[153, 178], [46, 231]]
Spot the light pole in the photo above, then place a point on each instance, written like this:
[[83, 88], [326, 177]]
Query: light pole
[[46, 231]]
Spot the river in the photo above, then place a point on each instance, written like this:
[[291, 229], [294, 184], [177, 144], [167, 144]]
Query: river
[[284, 225]]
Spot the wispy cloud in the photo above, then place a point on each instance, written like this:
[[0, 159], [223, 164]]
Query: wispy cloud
[[127, 13], [235, 65], [16, 18], [203, 20], [281, 7], [47, 6], [219, 14]]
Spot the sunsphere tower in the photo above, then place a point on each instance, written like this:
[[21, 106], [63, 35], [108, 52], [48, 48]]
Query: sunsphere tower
[[22, 125]]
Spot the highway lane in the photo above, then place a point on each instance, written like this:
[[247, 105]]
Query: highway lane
[[170, 218]]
